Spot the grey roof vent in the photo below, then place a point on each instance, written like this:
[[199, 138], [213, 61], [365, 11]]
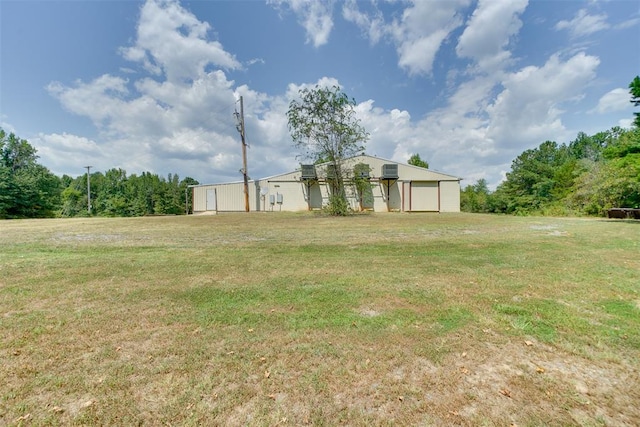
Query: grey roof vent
[[308, 172], [389, 171]]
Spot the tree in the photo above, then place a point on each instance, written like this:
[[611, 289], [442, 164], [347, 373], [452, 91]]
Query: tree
[[475, 198], [618, 180], [415, 160], [27, 189], [532, 183], [323, 124], [634, 90]]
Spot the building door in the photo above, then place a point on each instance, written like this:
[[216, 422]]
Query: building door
[[211, 200], [314, 195], [424, 196]]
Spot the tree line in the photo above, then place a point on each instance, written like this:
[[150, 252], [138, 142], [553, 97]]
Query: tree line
[[30, 190], [587, 176]]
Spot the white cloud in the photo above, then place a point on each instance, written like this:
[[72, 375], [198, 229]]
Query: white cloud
[[171, 40], [181, 119], [614, 100], [104, 93], [417, 34], [422, 29], [478, 133], [6, 126], [183, 115], [315, 16], [489, 30], [529, 108], [629, 23], [584, 24], [372, 25], [65, 152]]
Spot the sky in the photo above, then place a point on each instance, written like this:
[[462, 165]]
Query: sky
[[153, 86]]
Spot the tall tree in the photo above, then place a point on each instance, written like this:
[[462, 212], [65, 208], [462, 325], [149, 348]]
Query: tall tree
[[634, 90], [415, 160], [532, 182], [323, 124], [27, 189]]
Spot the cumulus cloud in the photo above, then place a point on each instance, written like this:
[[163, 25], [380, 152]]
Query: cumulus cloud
[[373, 25], [315, 16], [104, 93], [583, 24], [488, 32], [614, 100], [183, 114], [480, 129], [417, 34], [58, 149], [180, 116], [530, 106], [171, 40]]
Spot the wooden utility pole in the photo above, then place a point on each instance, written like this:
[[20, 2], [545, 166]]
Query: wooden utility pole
[[245, 173], [88, 168]]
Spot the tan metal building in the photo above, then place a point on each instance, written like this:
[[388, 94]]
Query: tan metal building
[[388, 186]]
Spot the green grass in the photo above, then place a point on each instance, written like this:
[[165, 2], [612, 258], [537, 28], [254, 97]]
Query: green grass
[[266, 319]]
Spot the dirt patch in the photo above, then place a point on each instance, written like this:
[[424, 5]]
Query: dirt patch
[[368, 312], [507, 378]]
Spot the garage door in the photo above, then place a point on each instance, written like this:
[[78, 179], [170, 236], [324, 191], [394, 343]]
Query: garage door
[[424, 196]]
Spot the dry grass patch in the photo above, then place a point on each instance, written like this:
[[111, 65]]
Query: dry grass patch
[[276, 319]]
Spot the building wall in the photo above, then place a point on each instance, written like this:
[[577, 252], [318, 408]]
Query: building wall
[[416, 189], [449, 196], [291, 194], [424, 196], [229, 197]]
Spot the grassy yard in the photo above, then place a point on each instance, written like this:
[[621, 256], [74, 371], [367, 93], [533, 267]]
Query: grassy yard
[[296, 319]]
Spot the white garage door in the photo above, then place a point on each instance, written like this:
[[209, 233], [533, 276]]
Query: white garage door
[[424, 196]]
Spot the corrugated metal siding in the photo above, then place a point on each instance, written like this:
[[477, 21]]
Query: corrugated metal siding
[[450, 196], [229, 197], [292, 196], [393, 195], [424, 196], [200, 198]]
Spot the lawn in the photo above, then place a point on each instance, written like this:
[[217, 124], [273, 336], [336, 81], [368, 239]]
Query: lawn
[[299, 319]]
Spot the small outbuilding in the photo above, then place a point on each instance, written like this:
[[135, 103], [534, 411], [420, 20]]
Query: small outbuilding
[[371, 183]]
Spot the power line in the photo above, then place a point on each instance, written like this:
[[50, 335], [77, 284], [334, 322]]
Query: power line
[[88, 168]]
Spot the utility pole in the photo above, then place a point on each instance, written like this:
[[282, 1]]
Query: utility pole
[[88, 168], [240, 127]]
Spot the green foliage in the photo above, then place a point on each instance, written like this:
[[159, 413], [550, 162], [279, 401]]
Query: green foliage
[[587, 176], [323, 125], [532, 181], [363, 185], [476, 197], [115, 194], [27, 189], [338, 205], [614, 181], [415, 160], [634, 90]]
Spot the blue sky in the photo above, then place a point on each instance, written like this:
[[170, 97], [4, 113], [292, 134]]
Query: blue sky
[[152, 86]]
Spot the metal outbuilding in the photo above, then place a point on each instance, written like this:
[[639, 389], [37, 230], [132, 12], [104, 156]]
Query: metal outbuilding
[[389, 186]]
